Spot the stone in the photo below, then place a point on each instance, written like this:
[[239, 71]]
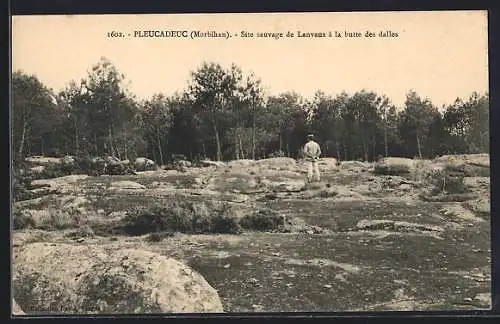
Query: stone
[[86, 279]]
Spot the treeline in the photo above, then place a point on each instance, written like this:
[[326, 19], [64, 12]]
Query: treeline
[[224, 115]]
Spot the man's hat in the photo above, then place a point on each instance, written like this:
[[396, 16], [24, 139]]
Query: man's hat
[[310, 136]]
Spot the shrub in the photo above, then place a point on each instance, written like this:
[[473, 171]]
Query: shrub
[[119, 169], [89, 166], [263, 220], [276, 154], [21, 182], [62, 219], [384, 169], [22, 220], [56, 170], [446, 182], [54, 152], [158, 236], [180, 216], [325, 193], [84, 231]]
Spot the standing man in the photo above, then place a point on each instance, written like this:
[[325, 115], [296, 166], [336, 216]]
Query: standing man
[[312, 151]]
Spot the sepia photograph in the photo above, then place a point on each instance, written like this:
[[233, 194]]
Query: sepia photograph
[[250, 163]]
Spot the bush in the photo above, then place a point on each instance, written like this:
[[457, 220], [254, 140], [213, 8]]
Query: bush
[[82, 232], [446, 182], [56, 170], [263, 220], [384, 169], [54, 152], [468, 170], [276, 154], [119, 169], [325, 193], [158, 236], [180, 216], [60, 219], [22, 220], [21, 182]]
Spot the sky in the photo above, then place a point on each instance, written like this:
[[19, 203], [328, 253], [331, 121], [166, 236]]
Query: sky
[[441, 55]]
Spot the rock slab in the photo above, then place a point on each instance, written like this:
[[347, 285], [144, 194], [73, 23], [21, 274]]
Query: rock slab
[[51, 278]]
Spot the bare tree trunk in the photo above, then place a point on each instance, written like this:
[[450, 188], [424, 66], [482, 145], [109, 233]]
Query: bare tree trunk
[[236, 146], [253, 137], [217, 142], [281, 143], [374, 149], [23, 138], [125, 142], [158, 141], [345, 150], [418, 146], [243, 155], [365, 147], [337, 147], [77, 139], [110, 142], [385, 142], [204, 150]]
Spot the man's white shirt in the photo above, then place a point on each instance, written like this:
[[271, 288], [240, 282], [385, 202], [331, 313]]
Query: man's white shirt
[[312, 150]]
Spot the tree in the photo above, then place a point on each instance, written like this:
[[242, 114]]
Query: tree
[[287, 116], [34, 110], [479, 133], [467, 125], [416, 120], [252, 97], [157, 121], [212, 89]]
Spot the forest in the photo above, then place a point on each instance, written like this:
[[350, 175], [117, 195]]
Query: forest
[[223, 115]]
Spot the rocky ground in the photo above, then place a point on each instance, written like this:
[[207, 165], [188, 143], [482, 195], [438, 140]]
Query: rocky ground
[[397, 235]]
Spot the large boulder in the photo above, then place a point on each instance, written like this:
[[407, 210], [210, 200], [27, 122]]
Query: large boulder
[[282, 184], [38, 169], [328, 163], [183, 163], [241, 163], [468, 165], [63, 185], [277, 162], [394, 166], [482, 159], [65, 278], [125, 185], [355, 165], [208, 163], [43, 160], [68, 160], [144, 164]]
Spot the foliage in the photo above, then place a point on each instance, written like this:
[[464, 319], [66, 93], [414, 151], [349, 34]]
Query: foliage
[[180, 216], [446, 182], [262, 220], [224, 114], [22, 220]]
